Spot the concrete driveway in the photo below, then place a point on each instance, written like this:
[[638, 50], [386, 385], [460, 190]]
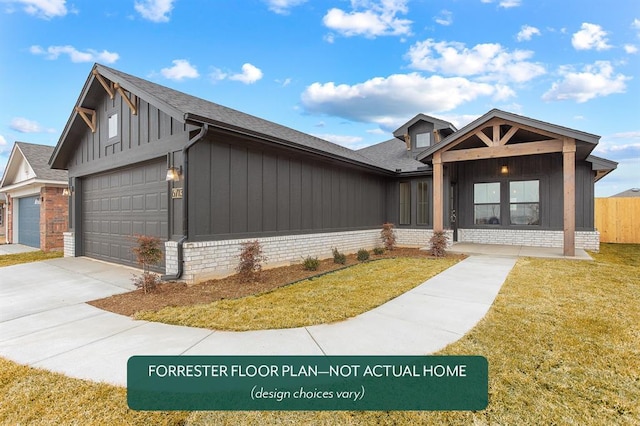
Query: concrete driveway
[[45, 322]]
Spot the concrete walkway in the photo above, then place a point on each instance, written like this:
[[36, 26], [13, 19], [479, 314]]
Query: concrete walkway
[[15, 249], [45, 323]]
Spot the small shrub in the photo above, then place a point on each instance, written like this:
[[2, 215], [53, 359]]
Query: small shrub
[[378, 250], [438, 244], [251, 259], [148, 253], [388, 236], [338, 257], [310, 263], [363, 255]]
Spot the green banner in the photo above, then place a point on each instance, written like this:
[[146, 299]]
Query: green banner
[[307, 382]]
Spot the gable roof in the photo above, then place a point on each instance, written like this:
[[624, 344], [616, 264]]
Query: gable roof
[[187, 108], [588, 138], [37, 156], [438, 124], [633, 192]]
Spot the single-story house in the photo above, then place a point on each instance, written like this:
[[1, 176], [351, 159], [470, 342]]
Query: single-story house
[[632, 192], [146, 159], [37, 208]]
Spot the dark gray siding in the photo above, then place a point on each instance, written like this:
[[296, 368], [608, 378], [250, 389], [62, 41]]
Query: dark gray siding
[[238, 189], [545, 168], [149, 134]]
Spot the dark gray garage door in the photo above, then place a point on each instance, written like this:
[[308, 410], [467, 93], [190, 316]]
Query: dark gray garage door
[[120, 204], [29, 221]]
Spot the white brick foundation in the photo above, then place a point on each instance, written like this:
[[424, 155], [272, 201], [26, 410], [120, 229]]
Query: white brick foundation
[[589, 240], [213, 259], [69, 244], [171, 257]]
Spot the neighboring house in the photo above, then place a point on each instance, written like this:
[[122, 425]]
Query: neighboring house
[[3, 215], [233, 177], [37, 209], [633, 192]]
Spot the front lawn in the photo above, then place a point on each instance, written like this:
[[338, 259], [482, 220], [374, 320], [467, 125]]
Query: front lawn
[[32, 256], [562, 340]]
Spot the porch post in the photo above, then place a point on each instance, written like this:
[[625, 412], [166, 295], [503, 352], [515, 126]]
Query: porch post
[[569, 187], [437, 193]]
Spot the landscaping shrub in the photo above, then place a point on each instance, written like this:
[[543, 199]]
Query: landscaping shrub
[[251, 258], [388, 236], [438, 243], [311, 263], [363, 255], [338, 257], [148, 253], [378, 250]]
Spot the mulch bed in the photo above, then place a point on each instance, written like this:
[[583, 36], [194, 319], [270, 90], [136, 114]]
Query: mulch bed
[[232, 287]]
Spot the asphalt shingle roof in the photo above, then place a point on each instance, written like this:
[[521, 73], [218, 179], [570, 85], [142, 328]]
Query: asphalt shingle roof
[[393, 154], [194, 107], [38, 157]]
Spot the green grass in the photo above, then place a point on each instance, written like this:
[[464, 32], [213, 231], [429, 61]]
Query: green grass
[[33, 256], [562, 340], [329, 298]]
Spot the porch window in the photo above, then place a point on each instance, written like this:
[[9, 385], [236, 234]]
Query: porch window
[[524, 202], [486, 203], [405, 203], [423, 203]]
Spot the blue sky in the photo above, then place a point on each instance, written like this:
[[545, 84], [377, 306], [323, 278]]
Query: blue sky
[[348, 71]]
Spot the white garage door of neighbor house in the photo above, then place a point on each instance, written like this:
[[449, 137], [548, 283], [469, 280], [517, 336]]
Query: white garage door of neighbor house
[[29, 221], [120, 204]]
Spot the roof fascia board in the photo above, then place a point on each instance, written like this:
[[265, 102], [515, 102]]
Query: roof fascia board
[[32, 182], [285, 143], [10, 164], [516, 119], [131, 87]]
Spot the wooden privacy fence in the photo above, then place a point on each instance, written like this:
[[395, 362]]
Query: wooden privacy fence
[[618, 219]]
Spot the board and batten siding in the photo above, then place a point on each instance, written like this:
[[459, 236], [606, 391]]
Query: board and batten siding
[[242, 191], [149, 134], [547, 169]]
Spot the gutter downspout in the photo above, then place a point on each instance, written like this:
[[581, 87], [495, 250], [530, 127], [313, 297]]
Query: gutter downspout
[[185, 198]]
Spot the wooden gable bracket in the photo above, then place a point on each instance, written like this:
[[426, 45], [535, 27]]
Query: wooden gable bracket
[[84, 114], [103, 83], [130, 101]]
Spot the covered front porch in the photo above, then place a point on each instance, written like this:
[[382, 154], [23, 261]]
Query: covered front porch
[[516, 251]]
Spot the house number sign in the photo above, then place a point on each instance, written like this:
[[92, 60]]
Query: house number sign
[[176, 193]]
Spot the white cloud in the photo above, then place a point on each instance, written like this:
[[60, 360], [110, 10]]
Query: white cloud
[[352, 142], [180, 70], [490, 61], [630, 48], [526, 32], [591, 36], [90, 55], [45, 9], [595, 80], [3, 141], [154, 10], [445, 18], [636, 25], [23, 125], [282, 7], [505, 3], [388, 101], [249, 75], [369, 19]]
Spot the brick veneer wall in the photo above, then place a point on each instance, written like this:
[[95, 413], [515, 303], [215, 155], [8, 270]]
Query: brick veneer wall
[[589, 240], [69, 244], [9, 218], [212, 259], [54, 218]]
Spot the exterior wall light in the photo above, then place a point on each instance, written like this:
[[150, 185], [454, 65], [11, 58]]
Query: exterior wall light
[[174, 173], [504, 169], [66, 192]]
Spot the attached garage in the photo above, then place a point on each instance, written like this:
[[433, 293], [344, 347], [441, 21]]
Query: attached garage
[[120, 204], [29, 221]]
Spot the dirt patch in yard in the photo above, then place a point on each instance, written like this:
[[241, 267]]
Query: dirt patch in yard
[[180, 294]]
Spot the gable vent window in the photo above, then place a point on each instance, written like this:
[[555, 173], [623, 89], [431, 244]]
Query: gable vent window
[[423, 140], [113, 125]]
